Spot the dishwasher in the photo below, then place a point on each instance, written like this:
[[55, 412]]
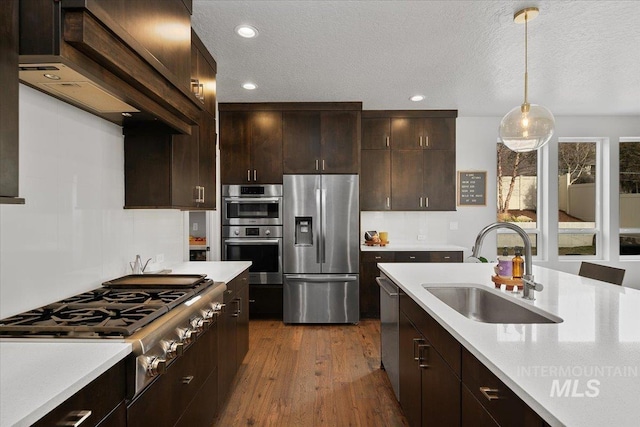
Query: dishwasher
[[389, 332]]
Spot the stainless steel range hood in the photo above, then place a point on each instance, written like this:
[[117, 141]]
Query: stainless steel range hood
[[63, 82]]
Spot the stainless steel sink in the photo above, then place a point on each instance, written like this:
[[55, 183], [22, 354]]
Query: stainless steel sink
[[485, 305]]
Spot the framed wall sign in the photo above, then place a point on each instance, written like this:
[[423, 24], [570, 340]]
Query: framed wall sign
[[472, 188]]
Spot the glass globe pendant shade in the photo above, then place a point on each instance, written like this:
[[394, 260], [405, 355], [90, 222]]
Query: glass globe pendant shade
[[526, 128]]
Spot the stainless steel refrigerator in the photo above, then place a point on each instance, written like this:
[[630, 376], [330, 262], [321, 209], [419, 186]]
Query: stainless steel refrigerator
[[320, 249]]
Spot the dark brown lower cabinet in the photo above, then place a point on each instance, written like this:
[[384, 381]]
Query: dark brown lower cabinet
[[443, 384], [265, 301], [369, 290], [429, 386]]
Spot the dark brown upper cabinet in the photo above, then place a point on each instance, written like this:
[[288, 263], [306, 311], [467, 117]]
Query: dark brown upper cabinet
[[9, 103], [122, 56], [405, 176], [203, 74], [321, 138], [250, 147]]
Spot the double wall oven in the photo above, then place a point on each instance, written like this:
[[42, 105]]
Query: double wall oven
[[252, 231]]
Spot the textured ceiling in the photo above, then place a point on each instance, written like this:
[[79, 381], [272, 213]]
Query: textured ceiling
[[584, 56]]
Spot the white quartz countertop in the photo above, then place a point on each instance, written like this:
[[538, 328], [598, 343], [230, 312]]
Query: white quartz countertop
[[401, 247], [35, 377], [596, 349], [218, 271]]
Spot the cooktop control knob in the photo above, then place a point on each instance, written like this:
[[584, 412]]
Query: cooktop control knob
[[173, 349], [198, 323], [217, 306], [207, 315], [156, 366], [188, 335]]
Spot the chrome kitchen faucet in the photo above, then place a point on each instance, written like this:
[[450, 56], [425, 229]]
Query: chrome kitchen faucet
[[529, 286]]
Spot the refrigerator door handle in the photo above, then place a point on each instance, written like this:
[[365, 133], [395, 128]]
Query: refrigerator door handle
[[321, 279], [324, 225], [318, 235]]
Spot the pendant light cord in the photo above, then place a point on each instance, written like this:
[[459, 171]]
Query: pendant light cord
[[526, 67]]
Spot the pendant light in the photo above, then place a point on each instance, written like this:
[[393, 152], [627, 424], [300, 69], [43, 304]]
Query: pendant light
[[528, 126]]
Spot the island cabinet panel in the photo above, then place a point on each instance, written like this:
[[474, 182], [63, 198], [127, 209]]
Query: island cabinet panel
[[429, 379], [500, 402], [369, 290], [9, 105], [103, 397], [422, 144], [250, 147], [473, 413]]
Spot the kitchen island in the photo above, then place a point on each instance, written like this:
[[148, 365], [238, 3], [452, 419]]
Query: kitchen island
[[598, 340], [37, 375]]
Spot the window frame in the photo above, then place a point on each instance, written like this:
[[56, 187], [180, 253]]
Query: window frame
[[622, 230], [597, 231]]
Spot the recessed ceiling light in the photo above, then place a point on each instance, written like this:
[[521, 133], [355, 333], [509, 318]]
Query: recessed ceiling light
[[249, 86], [246, 31], [417, 98], [52, 76]]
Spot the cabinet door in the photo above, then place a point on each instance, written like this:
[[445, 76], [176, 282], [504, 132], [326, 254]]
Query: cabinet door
[[369, 290], [235, 148], [243, 321], [301, 142], [439, 180], [410, 375], [339, 140], [440, 389], [375, 180], [439, 133], [473, 413], [207, 161], [376, 134], [184, 174], [406, 133], [266, 147], [227, 355], [406, 180]]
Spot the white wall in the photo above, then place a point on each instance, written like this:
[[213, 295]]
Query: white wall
[[72, 234], [476, 139]]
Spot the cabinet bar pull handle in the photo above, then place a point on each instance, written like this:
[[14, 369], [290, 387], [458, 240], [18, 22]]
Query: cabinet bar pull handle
[[74, 418], [387, 141], [249, 175], [415, 341], [187, 379], [378, 257], [426, 202], [322, 164], [420, 201], [420, 356], [412, 257], [255, 175], [426, 140], [388, 202], [316, 164], [421, 141], [202, 194], [486, 390]]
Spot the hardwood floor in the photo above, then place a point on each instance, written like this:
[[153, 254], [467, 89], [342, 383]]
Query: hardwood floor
[[312, 375]]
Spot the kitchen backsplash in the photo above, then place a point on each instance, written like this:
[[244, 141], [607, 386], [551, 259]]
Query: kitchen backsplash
[[72, 234], [405, 227]]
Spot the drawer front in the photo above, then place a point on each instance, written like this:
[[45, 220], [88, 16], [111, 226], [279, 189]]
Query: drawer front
[[445, 344], [445, 256], [377, 256], [501, 403], [412, 256], [473, 413], [236, 284], [99, 398]]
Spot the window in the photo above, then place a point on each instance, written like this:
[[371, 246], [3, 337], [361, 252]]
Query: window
[[578, 196], [517, 177], [629, 197]]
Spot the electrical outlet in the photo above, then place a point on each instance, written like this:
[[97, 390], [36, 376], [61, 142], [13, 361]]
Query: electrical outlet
[[195, 226], [159, 258], [453, 225], [422, 237]]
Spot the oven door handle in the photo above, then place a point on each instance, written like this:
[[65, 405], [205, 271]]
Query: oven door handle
[[251, 200], [252, 241]]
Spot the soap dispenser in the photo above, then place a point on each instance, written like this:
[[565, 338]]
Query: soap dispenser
[[505, 264], [518, 264]]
